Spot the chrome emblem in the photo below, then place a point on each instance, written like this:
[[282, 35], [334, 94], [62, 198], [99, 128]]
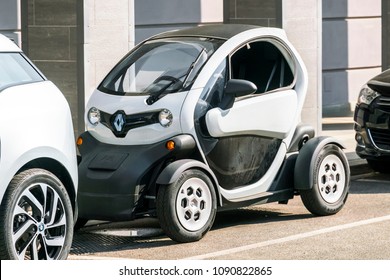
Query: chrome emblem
[[119, 122]]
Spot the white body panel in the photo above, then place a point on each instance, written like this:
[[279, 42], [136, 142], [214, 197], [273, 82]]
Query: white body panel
[[259, 114], [35, 122], [133, 105]]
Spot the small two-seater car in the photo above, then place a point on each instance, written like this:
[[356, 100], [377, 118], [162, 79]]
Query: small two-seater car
[[38, 162], [372, 122], [195, 121]]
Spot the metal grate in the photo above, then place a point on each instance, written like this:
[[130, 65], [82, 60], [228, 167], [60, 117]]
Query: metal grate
[[384, 103], [381, 138]]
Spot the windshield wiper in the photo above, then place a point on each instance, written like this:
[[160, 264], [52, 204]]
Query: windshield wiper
[[160, 93], [172, 81]]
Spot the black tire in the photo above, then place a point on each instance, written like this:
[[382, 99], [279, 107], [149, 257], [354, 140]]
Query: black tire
[[331, 182], [381, 166], [186, 209], [36, 218]]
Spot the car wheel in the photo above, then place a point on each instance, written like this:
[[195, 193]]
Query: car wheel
[[331, 182], [186, 209], [381, 166], [36, 218]]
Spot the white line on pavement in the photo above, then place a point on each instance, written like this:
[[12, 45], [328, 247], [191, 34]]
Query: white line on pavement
[[289, 238]]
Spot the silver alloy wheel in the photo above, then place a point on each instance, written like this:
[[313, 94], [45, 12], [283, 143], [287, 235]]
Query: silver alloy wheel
[[194, 204], [39, 223], [331, 178]]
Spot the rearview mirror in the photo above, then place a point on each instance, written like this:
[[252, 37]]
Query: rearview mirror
[[239, 88], [236, 88]]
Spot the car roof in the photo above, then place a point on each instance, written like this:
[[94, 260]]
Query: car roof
[[7, 45], [220, 31]]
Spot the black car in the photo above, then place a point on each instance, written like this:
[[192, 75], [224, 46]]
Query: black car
[[372, 122]]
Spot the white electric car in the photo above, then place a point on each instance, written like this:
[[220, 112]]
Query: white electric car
[[195, 121], [38, 163]]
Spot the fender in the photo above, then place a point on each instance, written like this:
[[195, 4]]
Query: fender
[[303, 175], [173, 171]]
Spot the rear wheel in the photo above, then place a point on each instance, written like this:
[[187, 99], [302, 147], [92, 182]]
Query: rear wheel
[[36, 220], [331, 182], [186, 209]]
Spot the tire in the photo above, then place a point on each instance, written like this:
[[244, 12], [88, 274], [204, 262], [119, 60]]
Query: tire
[[331, 182], [186, 209], [381, 166], [36, 218]]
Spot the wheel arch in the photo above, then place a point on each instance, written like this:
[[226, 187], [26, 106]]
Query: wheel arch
[[59, 171], [303, 176], [173, 171]]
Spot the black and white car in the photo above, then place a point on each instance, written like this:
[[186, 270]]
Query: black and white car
[[372, 122], [38, 163], [195, 121]]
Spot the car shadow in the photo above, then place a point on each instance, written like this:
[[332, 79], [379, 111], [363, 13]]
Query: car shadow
[[110, 237], [377, 183]]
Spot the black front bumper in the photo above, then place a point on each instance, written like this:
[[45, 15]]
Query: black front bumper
[[114, 180], [372, 126]]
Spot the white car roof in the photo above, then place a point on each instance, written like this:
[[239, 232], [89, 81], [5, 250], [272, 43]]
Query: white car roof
[[6, 45]]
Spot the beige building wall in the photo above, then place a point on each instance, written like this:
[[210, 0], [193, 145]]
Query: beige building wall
[[352, 52]]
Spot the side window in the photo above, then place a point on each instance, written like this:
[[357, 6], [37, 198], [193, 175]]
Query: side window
[[263, 64], [211, 97]]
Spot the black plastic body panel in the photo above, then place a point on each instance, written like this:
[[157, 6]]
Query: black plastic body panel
[[114, 179], [304, 166]]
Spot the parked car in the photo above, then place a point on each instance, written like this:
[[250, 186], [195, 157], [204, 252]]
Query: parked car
[[372, 122], [38, 164], [196, 121]]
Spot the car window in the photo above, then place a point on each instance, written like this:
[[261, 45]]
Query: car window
[[15, 70], [164, 65], [263, 64]]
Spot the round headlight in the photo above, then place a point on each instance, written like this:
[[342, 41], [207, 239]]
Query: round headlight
[[94, 116], [165, 118]]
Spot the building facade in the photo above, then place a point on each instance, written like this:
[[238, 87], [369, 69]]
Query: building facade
[[76, 42]]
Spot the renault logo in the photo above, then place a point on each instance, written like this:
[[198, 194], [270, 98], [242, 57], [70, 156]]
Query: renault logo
[[119, 122]]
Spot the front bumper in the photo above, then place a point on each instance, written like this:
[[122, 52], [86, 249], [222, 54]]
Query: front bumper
[[114, 180], [372, 126]]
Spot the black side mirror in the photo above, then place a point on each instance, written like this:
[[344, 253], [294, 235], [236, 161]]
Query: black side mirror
[[236, 88]]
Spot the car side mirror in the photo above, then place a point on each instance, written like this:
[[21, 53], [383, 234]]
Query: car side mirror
[[239, 88], [236, 88]]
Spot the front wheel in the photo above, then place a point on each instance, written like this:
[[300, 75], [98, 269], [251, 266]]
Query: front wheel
[[36, 218], [186, 209], [330, 182]]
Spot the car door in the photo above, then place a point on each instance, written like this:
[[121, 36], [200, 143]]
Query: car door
[[248, 148]]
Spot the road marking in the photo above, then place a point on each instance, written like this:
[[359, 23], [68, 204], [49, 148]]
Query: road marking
[[92, 258], [289, 238]]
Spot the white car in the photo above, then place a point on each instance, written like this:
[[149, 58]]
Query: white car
[[38, 163], [201, 120]]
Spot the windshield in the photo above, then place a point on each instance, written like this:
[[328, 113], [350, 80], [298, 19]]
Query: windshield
[[160, 66], [16, 70]]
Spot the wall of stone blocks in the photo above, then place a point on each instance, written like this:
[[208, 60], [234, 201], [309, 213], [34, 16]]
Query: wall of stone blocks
[[153, 17], [10, 20], [49, 38], [352, 51], [262, 13]]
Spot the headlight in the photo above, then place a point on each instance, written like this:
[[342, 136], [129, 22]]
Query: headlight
[[94, 116], [367, 95], [165, 118]]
